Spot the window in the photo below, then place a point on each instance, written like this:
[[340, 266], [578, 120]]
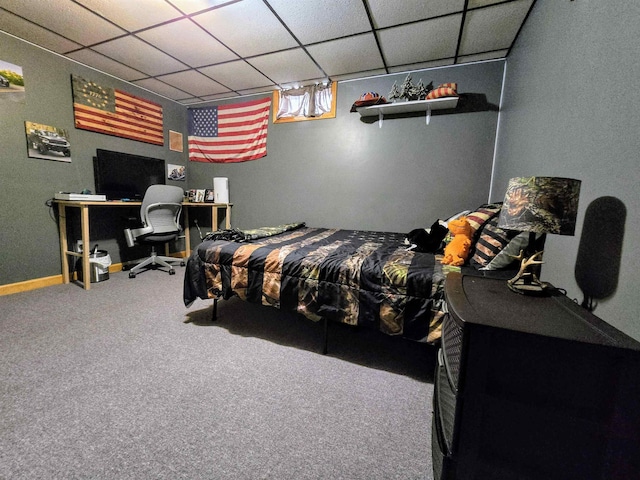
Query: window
[[313, 102]]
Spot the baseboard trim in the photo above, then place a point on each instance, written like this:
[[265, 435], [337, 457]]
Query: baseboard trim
[[43, 282]]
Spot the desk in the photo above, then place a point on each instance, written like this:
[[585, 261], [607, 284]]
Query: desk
[[84, 207]]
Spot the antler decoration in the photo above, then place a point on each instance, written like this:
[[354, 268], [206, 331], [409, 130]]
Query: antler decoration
[[523, 275]]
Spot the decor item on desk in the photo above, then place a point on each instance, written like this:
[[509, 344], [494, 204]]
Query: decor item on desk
[[538, 205], [457, 250]]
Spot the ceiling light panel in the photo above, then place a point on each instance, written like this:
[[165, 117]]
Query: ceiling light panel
[[386, 13], [104, 64], [318, 20], [193, 82], [132, 51], [15, 25], [359, 53], [493, 28], [287, 67], [422, 41], [188, 42], [237, 75], [134, 15], [248, 28], [59, 15]]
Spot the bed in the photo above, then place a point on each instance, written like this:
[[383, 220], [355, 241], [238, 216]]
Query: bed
[[361, 278], [356, 277]]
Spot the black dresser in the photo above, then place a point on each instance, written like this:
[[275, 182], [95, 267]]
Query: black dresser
[[532, 388]]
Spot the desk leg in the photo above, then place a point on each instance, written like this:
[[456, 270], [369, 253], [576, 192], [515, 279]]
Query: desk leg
[[227, 217], [214, 219], [84, 223], [187, 236], [62, 224]]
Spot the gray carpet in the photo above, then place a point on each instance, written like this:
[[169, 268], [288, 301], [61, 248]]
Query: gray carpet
[[122, 381]]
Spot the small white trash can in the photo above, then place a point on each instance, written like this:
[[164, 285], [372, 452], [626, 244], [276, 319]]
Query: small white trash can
[[99, 262]]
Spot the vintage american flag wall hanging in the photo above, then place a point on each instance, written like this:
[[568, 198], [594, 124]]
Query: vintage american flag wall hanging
[[229, 133], [114, 112]]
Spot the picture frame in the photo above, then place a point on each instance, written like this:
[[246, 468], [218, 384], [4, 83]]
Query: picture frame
[[208, 195], [175, 141]]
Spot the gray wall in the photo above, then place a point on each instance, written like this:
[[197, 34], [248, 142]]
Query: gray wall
[[346, 173], [571, 109], [29, 235], [341, 172]]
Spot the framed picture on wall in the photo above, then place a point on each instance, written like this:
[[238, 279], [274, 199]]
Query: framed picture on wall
[[11, 83], [47, 142], [176, 172], [175, 141]]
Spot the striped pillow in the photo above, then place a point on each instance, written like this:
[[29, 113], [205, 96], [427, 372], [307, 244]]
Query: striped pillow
[[443, 90], [483, 214], [491, 241]]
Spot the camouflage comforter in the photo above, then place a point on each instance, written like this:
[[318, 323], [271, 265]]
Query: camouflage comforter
[[356, 277]]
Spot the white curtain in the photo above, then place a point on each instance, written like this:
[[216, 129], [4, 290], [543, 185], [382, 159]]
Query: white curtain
[[310, 101]]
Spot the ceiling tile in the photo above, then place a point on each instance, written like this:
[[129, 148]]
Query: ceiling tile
[[478, 57], [421, 65], [193, 6], [179, 38], [359, 53], [162, 88], [287, 67], [220, 96], [482, 3], [386, 13], [238, 74], [493, 28], [191, 101], [230, 24], [422, 41], [104, 64], [347, 17], [193, 82], [358, 75], [15, 25], [58, 16], [135, 15], [133, 51]]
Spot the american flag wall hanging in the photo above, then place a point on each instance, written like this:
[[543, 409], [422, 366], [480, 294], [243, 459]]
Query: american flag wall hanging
[[114, 112], [229, 133]]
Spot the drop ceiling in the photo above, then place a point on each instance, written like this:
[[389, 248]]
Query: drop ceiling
[[192, 51]]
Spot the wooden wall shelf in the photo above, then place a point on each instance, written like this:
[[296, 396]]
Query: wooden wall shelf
[[408, 107]]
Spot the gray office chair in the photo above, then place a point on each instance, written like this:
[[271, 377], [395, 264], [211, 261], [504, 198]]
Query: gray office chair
[[160, 215]]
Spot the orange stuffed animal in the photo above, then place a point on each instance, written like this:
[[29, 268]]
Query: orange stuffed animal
[[457, 251]]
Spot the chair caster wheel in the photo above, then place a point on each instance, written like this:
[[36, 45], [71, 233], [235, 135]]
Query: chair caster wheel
[[172, 272], [132, 275], [182, 264]]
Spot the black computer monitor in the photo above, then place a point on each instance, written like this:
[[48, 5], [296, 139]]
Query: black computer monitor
[[121, 175]]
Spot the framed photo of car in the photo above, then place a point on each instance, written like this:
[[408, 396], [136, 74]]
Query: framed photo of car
[[47, 142]]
